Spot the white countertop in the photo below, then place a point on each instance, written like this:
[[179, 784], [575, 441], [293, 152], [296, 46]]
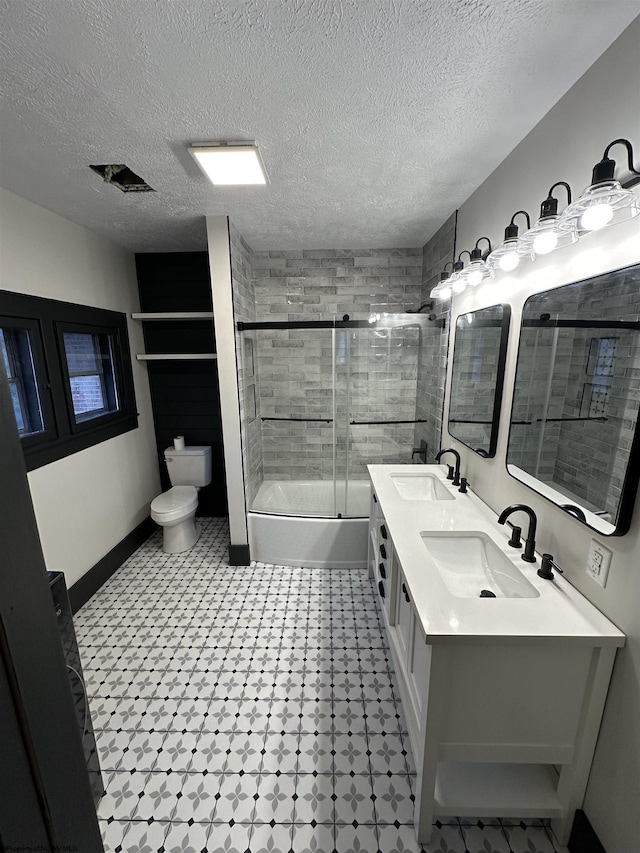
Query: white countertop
[[559, 614]]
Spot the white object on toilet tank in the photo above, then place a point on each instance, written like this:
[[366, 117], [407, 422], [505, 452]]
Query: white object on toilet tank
[[178, 442], [190, 466]]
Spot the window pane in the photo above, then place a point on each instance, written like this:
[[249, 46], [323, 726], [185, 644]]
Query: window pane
[[17, 408], [5, 355], [91, 374], [87, 394], [17, 355], [81, 351]]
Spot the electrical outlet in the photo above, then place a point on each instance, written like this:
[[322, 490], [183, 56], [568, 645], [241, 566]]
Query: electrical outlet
[[598, 562]]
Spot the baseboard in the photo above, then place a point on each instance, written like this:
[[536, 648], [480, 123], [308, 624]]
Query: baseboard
[[81, 591], [239, 555], [583, 837]]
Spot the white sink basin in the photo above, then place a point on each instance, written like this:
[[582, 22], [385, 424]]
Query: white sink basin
[[420, 487], [470, 562]]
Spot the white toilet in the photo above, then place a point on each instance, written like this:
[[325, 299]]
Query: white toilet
[[174, 511]]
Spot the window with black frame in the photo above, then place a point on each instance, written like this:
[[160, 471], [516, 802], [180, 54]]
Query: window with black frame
[[69, 373], [90, 372], [17, 354]]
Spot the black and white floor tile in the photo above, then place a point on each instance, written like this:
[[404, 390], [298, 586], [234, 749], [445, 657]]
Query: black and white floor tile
[[254, 709]]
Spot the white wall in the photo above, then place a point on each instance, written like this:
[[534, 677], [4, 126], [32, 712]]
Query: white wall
[[566, 144], [87, 502]]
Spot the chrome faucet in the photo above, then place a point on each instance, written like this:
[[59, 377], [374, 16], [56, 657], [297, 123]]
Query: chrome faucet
[[456, 475], [528, 554]]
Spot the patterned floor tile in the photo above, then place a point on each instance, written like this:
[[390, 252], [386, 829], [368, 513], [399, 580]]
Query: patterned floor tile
[[276, 798], [314, 799], [237, 797], [197, 800], [160, 796], [271, 839], [354, 799], [254, 708], [355, 839], [122, 795], [185, 838]]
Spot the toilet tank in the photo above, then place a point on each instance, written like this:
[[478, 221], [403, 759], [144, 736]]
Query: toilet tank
[[190, 466]]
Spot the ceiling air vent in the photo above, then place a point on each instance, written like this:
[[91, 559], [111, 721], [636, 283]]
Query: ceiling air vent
[[122, 177]]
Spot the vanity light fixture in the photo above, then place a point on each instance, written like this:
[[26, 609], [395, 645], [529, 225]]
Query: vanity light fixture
[[442, 290], [507, 257], [607, 201], [478, 270], [546, 235], [457, 280], [230, 163]]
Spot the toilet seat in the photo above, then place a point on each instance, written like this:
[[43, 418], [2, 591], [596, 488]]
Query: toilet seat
[[176, 503]]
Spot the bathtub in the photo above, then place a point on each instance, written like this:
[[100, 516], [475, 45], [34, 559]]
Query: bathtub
[[291, 524]]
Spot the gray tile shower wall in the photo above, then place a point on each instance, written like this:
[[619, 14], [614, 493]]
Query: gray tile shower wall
[[323, 283], [432, 365], [244, 307], [297, 367]]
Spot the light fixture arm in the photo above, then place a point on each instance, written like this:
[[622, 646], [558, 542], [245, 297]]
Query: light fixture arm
[[605, 169], [476, 254], [549, 206], [445, 274], [463, 252], [511, 231]]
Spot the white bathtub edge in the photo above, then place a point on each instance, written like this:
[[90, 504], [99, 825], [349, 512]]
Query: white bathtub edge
[[314, 543]]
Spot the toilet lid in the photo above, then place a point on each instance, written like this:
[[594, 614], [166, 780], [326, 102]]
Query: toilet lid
[[178, 497]]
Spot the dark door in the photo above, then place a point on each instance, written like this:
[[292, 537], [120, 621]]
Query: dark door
[[45, 797]]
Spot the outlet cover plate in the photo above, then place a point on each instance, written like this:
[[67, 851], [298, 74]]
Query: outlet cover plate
[[598, 562]]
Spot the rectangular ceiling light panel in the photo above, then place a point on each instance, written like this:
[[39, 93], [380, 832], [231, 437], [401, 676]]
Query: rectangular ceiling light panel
[[225, 165]]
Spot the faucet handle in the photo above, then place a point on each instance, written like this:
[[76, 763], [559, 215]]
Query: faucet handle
[[546, 565], [450, 470], [515, 540], [463, 485]]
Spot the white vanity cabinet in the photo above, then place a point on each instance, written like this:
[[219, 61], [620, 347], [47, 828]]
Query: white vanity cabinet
[[503, 721]]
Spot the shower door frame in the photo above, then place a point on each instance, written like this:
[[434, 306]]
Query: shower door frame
[[335, 324]]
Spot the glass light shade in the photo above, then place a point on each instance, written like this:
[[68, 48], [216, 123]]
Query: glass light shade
[[600, 204], [458, 285], [545, 236], [505, 257], [442, 291], [476, 273]]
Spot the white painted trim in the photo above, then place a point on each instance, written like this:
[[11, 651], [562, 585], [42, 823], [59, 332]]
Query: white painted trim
[[224, 324]]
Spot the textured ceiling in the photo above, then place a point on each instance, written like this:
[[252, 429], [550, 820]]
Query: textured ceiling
[[375, 118]]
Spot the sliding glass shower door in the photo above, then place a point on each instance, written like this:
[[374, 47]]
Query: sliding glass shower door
[[376, 395], [321, 400]]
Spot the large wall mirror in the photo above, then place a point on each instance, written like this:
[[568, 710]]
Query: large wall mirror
[[574, 434], [479, 354]]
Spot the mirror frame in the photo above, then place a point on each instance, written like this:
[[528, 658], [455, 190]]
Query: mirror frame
[[505, 324], [632, 474]]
